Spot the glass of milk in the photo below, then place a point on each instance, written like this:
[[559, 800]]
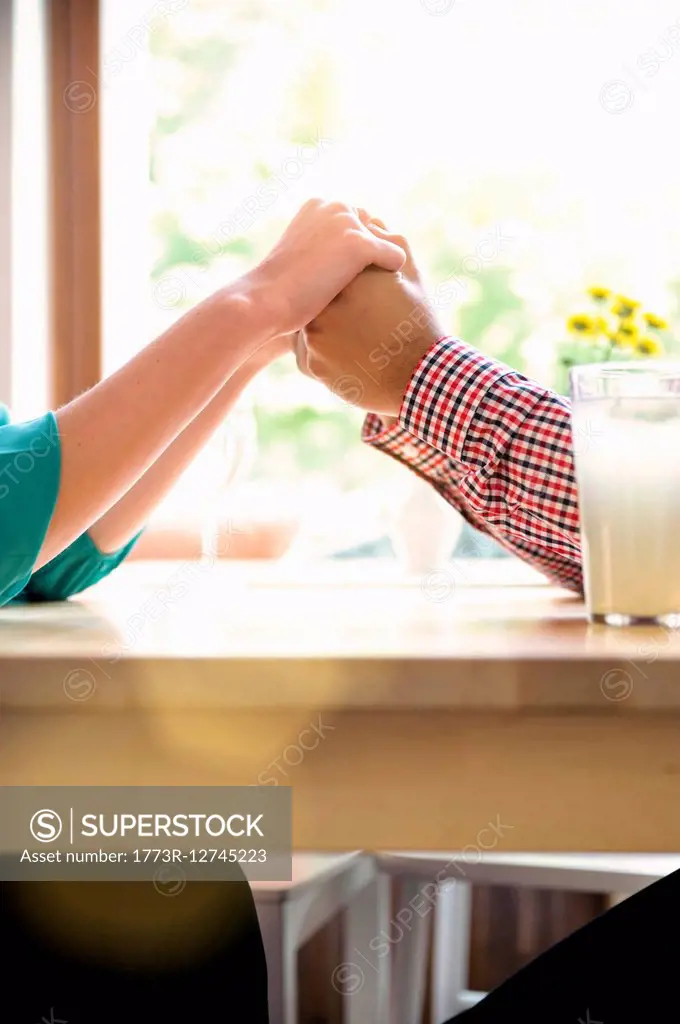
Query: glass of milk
[[626, 437]]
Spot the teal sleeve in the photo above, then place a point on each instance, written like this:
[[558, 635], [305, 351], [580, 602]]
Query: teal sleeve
[[30, 467], [78, 567]]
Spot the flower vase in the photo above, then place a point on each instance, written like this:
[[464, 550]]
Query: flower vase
[[424, 529]]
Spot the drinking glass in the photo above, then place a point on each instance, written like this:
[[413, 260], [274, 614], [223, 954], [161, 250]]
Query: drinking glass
[[626, 436]]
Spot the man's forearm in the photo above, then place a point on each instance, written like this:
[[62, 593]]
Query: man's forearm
[[498, 447]]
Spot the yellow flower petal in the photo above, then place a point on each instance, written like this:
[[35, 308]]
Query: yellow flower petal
[[652, 320], [624, 307], [649, 347], [628, 329], [582, 323], [598, 293]]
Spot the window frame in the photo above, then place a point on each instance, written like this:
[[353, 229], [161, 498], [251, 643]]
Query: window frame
[[6, 219], [73, 54], [74, 72]]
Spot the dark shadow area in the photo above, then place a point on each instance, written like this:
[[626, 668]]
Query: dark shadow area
[[102, 953]]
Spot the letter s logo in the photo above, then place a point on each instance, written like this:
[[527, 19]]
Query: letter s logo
[[46, 826]]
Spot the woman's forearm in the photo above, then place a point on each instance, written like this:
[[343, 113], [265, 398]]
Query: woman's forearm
[[117, 526], [112, 434]]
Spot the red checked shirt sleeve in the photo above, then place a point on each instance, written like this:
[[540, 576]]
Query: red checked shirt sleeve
[[498, 447]]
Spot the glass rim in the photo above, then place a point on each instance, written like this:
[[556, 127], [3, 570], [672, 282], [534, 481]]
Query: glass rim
[[653, 367]]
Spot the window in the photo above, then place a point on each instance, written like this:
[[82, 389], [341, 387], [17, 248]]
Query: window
[[24, 382], [525, 152]]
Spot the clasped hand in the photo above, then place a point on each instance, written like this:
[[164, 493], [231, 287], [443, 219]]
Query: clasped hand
[[368, 336]]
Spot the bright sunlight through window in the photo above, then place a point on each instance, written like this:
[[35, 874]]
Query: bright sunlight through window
[[525, 155]]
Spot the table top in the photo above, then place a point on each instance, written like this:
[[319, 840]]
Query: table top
[[474, 636]]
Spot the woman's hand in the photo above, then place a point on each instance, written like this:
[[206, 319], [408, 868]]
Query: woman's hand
[[367, 343], [112, 436], [323, 249]]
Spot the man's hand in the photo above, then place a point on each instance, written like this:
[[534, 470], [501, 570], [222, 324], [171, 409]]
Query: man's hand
[[367, 343]]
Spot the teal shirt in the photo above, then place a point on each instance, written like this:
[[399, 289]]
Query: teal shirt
[[30, 468]]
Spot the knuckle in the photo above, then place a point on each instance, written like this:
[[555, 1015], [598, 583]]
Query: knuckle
[[358, 237], [311, 206], [339, 209], [400, 241]]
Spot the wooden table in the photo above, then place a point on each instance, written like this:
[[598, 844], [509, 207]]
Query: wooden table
[[440, 713]]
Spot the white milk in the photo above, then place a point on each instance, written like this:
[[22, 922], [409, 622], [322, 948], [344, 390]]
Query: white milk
[[627, 455]]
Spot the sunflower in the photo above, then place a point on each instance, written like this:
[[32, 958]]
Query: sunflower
[[582, 323], [654, 321], [598, 293], [628, 331], [649, 347], [624, 307]]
